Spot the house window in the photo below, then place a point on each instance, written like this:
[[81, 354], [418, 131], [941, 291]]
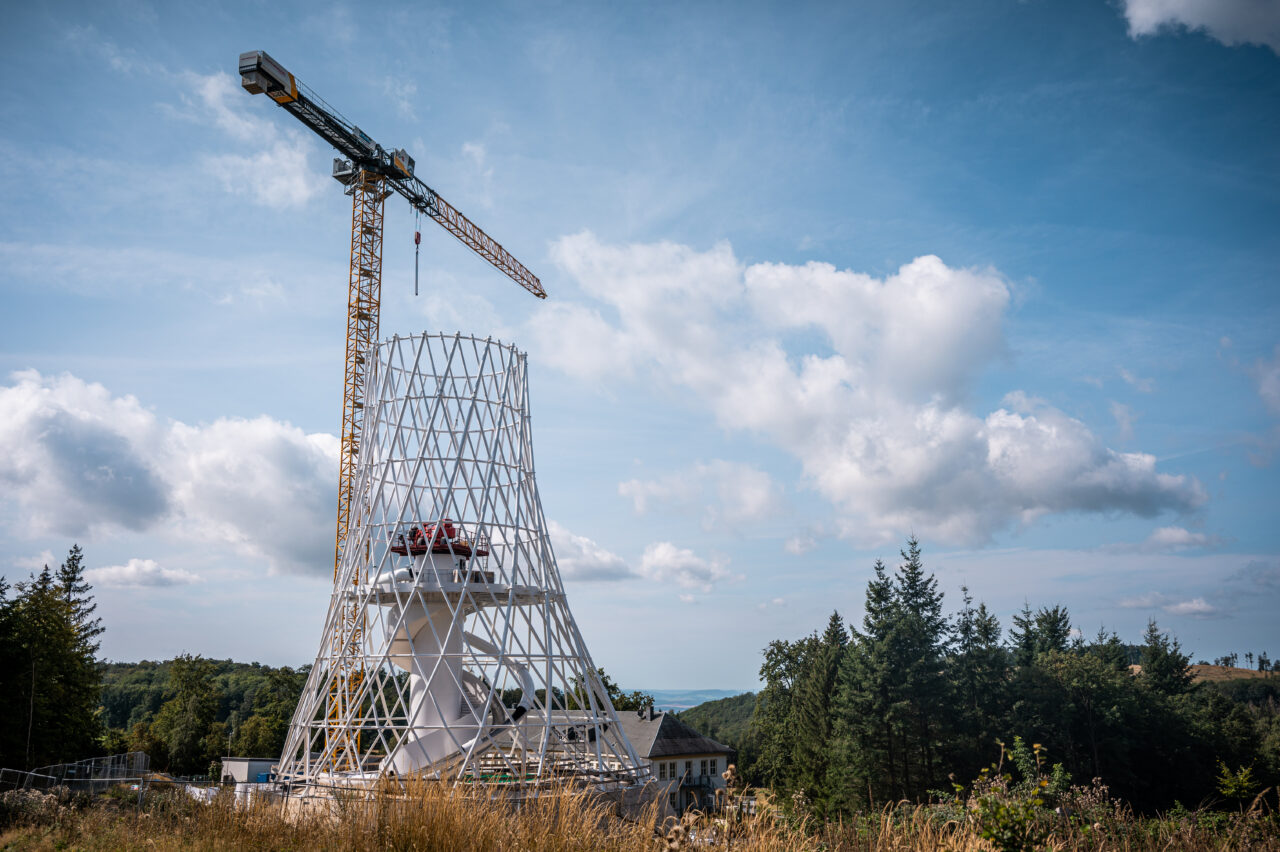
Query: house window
[[703, 767], [688, 768], [662, 772], [714, 766], [674, 806]]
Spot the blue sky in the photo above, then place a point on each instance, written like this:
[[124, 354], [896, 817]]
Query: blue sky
[[1003, 274]]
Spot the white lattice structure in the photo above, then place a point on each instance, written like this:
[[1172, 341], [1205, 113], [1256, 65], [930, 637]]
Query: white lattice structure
[[465, 664]]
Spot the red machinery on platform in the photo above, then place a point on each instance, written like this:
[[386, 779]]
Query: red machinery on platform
[[443, 537]]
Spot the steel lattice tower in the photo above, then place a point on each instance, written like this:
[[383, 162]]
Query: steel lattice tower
[[471, 667]]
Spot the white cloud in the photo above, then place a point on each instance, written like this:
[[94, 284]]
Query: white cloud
[[277, 177], [801, 543], [663, 562], [35, 564], [1195, 606], [1173, 539], [1231, 22], [274, 171], [877, 416], [140, 572], [732, 493], [1136, 382], [81, 460], [580, 558], [1198, 607]]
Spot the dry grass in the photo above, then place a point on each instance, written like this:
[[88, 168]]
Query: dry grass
[[433, 817], [1205, 672], [1201, 672]]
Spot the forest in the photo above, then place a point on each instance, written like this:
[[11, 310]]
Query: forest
[[913, 701], [904, 705]]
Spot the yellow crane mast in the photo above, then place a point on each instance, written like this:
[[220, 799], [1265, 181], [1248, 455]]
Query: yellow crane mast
[[370, 174]]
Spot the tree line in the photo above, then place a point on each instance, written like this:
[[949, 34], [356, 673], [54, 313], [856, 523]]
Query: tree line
[[50, 678], [59, 703], [188, 712], [914, 700]]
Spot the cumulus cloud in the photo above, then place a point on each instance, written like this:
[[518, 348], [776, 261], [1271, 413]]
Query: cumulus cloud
[[140, 572], [1197, 607], [1174, 539], [663, 562], [81, 460], [580, 558], [274, 171], [875, 411], [1231, 22], [731, 493]]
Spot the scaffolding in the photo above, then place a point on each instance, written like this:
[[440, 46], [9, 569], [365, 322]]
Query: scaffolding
[[472, 669]]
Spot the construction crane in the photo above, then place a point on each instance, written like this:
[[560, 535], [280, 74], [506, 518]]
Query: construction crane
[[369, 173]]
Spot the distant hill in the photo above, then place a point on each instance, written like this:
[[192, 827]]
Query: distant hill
[[683, 699], [1203, 672], [725, 720]]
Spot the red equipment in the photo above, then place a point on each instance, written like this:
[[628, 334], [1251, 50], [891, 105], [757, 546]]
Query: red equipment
[[438, 538]]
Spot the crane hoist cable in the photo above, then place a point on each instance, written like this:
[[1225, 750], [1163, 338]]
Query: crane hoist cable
[[417, 243]]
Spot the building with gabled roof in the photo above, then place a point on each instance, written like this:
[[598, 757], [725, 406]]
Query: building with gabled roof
[[688, 764]]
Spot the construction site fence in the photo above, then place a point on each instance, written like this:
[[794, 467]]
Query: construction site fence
[[94, 775]]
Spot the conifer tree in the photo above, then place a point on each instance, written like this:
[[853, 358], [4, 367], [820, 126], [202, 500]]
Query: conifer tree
[[1165, 668], [52, 683], [811, 711], [864, 763], [1022, 636], [978, 668], [919, 638], [1052, 629], [76, 592]]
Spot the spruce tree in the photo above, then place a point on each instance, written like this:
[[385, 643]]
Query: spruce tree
[[1165, 668], [1022, 636], [864, 763], [811, 711], [919, 637], [76, 592], [978, 669], [1052, 629]]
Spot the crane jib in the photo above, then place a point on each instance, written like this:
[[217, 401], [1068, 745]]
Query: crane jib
[[260, 74]]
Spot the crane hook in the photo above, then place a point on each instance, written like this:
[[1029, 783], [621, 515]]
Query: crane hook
[[417, 241]]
